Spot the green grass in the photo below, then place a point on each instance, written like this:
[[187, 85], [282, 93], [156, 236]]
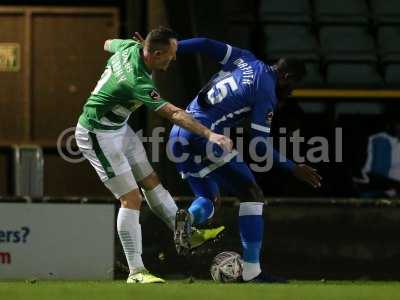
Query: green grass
[[202, 290]]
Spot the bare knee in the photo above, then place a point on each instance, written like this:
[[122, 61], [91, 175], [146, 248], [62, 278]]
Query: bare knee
[[131, 200], [149, 182]]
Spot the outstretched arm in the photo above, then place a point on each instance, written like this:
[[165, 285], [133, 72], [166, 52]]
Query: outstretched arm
[[180, 117], [219, 51], [260, 128]]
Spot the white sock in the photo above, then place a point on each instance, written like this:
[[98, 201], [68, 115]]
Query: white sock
[[162, 204], [250, 270], [130, 234]]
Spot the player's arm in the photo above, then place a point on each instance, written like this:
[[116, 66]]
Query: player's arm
[[113, 45], [179, 117], [217, 50], [148, 95], [260, 127]]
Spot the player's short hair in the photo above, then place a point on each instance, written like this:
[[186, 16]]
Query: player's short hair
[[159, 38], [292, 66]]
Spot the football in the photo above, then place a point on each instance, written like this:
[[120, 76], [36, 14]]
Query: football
[[226, 267]]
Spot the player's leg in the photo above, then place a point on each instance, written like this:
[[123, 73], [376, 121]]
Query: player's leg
[[104, 152], [157, 197], [202, 207], [130, 234], [163, 205], [199, 212], [206, 194], [236, 177], [185, 144]]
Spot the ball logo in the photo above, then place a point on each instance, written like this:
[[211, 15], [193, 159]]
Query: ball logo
[[155, 95]]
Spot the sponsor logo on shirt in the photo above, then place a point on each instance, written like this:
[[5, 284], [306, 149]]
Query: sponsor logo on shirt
[[155, 95]]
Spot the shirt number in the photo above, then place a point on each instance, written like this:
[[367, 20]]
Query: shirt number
[[218, 92]]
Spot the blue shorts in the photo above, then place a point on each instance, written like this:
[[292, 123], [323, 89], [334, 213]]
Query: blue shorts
[[205, 175]]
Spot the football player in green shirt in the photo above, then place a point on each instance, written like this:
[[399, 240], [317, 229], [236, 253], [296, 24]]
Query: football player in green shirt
[[116, 152]]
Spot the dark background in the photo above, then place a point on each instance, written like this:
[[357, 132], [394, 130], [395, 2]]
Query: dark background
[[62, 58]]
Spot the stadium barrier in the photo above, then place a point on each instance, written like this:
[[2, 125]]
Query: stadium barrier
[[56, 240], [314, 238]]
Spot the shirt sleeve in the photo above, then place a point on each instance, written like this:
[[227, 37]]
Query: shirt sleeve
[[261, 118], [146, 92], [115, 45], [221, 52]]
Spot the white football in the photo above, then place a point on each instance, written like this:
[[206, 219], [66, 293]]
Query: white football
[[227, 266]]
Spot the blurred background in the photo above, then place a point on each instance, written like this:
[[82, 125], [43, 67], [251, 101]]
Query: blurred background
[[51, 56], [351, 48]]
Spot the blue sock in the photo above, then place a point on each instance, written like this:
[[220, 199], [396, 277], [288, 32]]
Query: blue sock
[[251, 226], [201, 210]]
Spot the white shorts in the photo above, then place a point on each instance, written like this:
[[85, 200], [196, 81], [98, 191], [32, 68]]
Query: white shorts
[[118, 157]]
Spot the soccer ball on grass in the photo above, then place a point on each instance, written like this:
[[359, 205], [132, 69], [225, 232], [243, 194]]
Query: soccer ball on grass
[[226, 267]]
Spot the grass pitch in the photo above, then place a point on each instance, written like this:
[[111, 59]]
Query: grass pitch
[[199, 290]]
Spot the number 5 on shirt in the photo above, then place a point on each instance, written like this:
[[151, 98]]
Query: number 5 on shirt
[[218, 92]]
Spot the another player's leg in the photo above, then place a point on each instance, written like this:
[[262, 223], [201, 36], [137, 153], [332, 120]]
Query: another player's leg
[[104, 152], [130, 234], [202, 207], [200, 211], [157, 197], [163, 205], [183, 144], [251, 223]]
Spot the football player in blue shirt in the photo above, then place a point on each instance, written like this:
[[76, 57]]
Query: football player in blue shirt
[[244, 87]]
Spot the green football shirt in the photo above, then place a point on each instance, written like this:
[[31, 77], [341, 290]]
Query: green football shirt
[[125, 85]]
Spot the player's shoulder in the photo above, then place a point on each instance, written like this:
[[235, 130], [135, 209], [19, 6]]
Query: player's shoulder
[[265, 82], [248, 60], [239, 55], [266, 75], [248, 55], [133, 51], [139, 70], [131, 44]]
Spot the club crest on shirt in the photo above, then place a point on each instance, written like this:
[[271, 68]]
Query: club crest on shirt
[[269, 117], [154, 95]]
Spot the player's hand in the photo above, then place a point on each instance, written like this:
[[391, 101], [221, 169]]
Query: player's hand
[[138, 38], [308, 175], [222, 141]]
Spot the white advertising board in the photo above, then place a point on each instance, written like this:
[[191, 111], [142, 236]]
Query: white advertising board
[[56, 241]]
